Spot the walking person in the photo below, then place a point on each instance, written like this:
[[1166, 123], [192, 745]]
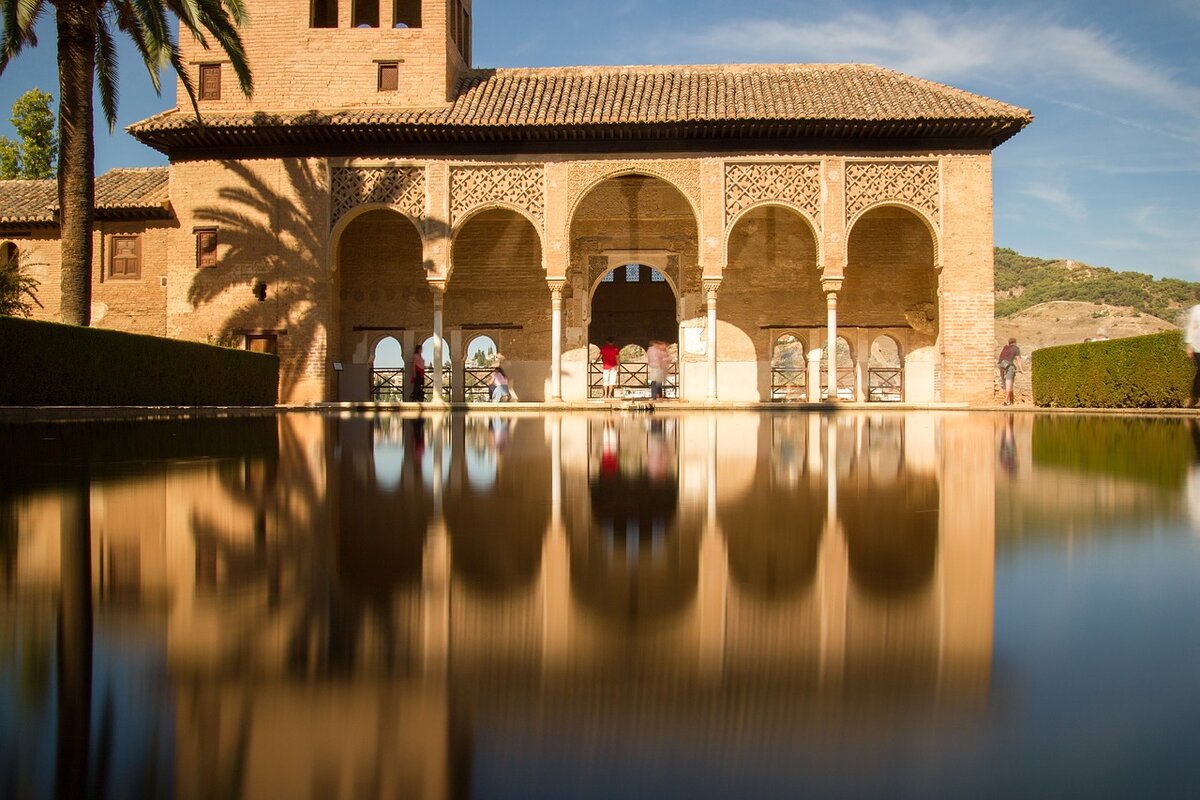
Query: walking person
[[1191, 338], [658, 364], [418, 377], [1009, 364], [610, 361], [499, 383]]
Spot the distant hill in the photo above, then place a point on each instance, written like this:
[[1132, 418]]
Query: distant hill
[[1026, 281]]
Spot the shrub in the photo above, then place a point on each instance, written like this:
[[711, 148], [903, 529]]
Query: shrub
[[44, 363], [1140, 372]]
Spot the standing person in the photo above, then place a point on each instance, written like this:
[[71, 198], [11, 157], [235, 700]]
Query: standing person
[[1009, 364], [658, 363], [610, 360], [418, 377], [1191, 338]]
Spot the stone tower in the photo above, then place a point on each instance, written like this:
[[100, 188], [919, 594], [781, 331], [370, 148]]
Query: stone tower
[[324, 54]]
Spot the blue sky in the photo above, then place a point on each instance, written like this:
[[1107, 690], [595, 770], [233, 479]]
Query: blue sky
[[1109, 172]]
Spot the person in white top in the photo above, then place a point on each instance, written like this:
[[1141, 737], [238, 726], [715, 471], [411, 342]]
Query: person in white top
[[1191, 338]]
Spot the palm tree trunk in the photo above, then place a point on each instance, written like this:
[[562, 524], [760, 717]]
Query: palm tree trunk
[[76, 154]]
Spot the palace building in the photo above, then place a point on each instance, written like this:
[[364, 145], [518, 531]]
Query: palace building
[[377, 186]]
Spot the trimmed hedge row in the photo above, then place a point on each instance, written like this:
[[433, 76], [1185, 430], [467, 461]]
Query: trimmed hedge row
[[1139, 372], [44, 363]]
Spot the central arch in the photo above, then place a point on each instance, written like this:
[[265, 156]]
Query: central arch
[[634, 264]]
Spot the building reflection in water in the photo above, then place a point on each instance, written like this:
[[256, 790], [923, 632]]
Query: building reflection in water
[[422, 607]]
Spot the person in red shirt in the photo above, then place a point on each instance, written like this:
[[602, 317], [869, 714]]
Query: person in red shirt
[[610, 360]]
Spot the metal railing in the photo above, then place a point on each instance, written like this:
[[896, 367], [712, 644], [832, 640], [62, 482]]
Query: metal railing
[[476, 386], [633, 381], [387, 385], [845, 383], [885, 384], [427, 386]]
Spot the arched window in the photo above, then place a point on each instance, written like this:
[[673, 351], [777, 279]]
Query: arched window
[[10, 256], [885, 371], [482, 357], [427, 354], [789, 368], [387, 371]]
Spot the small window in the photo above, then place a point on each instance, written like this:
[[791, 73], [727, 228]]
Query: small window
[[609, 277], [262, 343], [466, 45], [125, 259], [10, 256], [657, 277], [389, 77], [406, 13], [633, 273], [366, 14], [206, 247], [324, 14], [210, 81]]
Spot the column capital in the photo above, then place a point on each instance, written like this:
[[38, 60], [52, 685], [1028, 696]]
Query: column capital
[[710, 286], [832, 284], [556, 284]]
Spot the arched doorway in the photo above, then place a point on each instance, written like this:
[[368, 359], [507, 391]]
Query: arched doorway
[[387, 371], [634, 254], [498, 287], [770, 285], [447, 376], [633, 305], [891, 282]]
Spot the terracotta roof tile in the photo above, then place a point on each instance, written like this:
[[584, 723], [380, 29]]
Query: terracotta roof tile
[[609, 96], [119, 192]]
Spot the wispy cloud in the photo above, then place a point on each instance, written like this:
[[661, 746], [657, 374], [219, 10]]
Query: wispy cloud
[[1013, 46], [1058, 197]]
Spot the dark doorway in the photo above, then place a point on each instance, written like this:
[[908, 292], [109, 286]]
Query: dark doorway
[[635, 305]]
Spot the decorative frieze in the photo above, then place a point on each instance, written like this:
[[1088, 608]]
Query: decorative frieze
[[912, 182], [793, 184], [520, 186], [400, 187]]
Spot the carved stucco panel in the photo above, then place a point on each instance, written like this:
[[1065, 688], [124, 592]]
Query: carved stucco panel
[[794, 184], [520, 186], [402, 187], [913, 182]]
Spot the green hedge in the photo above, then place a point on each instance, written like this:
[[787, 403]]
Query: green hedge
[[1155, 451], [47, 364], [1140, 372]]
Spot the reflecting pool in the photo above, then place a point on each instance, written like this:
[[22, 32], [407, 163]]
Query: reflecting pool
[[601, 606]]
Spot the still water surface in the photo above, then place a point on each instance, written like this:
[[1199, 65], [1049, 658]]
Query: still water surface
[[601, 606]]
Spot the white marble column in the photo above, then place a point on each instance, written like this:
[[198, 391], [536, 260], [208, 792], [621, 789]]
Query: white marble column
[[556, 289], [831, 287], [439, 292], [710, 297]]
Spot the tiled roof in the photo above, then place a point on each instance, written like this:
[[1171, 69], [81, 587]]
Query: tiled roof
[[119, 193], [783, 99]]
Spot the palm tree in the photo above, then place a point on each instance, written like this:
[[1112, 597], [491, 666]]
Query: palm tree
[[87, 55]]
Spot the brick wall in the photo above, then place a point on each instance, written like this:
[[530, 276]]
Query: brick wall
[[298, 67]]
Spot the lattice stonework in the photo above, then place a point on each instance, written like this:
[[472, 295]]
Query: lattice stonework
[[912, 182], [683, 174], [471, 187], [797, 185], [402, 187]]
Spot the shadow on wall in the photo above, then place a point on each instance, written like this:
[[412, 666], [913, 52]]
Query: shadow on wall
[[268, 237]]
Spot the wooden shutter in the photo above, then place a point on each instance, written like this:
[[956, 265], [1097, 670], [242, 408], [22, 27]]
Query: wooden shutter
[[126, 258], [389, 77], [210, 81], [206, 247]]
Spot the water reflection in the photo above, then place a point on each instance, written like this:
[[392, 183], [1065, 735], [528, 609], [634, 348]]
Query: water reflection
[[440, 607]]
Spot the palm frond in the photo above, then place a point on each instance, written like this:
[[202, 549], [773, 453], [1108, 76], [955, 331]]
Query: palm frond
[[20, 20], [130, 19], [106, 71], [223, 28], [185, 79], [186, 10]]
